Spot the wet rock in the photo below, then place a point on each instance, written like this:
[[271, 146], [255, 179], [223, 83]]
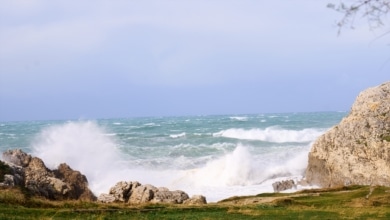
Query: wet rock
[[283, 185], [17, 157]]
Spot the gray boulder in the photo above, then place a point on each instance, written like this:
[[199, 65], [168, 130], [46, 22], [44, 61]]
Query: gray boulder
[[135, 193], [174, 197], [283, 185]]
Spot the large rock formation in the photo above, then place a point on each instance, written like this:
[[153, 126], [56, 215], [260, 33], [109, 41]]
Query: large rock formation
[[31, 173], [136, 193], [357, 151]]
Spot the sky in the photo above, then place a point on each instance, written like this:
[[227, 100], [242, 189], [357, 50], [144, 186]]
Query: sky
[[114, 59]]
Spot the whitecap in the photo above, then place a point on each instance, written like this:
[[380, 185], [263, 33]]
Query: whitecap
[[178, 135], [271, 134]]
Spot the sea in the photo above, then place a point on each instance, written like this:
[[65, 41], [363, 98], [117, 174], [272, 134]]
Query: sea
[[218, 156]]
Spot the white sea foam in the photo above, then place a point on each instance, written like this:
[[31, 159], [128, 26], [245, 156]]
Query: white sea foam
[[85, 147], [178, 135], [237, 118], [271, 134], [239, 173], [151, 124]]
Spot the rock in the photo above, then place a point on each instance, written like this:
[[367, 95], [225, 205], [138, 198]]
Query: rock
[[122, 190], [31, 173], [196, 200], [174, 197], [283, 185], [17, 157], [106, 198], [11, 175], [135, 193], [142, 194], [9, 180], [76, 182], [357, 150]]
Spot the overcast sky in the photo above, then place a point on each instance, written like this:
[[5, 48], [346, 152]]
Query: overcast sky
[[104, 59]]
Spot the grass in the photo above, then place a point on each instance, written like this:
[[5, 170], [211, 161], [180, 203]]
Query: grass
[[355, 202], [386, 138]]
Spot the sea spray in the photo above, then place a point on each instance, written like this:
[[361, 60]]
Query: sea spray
[[217, 156], [271, 134], [85, 147], [234, 168]]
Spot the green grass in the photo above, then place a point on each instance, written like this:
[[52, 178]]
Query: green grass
[[337, 203], [386, 138]]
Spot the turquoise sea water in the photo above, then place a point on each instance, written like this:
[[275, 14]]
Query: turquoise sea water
[[217, 156]]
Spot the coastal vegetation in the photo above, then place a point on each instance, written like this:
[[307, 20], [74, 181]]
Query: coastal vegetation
[[351, 202]]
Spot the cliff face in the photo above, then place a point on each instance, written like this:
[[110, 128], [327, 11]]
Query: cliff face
[[357, 151]]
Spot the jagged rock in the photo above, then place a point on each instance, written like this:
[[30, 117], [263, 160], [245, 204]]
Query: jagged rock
[[122, 190], [174, 197], [9, 180], [196, 200], [106, 198], [357, 150], [17, 157], [76, 182], [283, 185], [11, 175], [31, 173], [142, 194], [135, 193]]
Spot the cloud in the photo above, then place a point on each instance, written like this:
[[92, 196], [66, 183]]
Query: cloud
[[171, 43]]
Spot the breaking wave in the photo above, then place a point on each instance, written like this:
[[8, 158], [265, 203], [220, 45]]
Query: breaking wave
[[271, 134]]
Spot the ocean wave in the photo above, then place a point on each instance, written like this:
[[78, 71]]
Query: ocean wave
[[178, 135], [241, 168], [239, 118], [84, 147], [152, 124], [272, 134]]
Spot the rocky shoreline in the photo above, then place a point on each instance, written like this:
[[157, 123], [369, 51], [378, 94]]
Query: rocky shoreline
[[23, 170], [354, 152]]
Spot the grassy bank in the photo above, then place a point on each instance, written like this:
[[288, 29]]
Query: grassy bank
[[355, 202]]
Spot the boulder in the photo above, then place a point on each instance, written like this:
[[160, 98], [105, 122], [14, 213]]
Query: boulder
[[106, 198], [142, 194], [173, 197], [357, 150], [122, 190], [196, 200], [283, 185], [75, 181], [31, 173], [135, 193], [17, 157]]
